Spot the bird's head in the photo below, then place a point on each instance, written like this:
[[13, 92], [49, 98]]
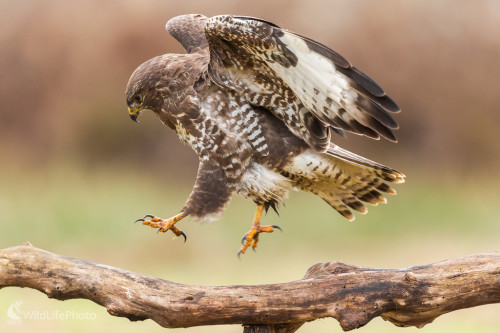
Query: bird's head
[[164, 85], [143, 91]]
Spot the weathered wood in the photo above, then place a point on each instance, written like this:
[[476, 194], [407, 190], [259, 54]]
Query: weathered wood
[[353, 295]]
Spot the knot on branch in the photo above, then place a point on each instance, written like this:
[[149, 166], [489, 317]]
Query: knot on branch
[[332, 268]]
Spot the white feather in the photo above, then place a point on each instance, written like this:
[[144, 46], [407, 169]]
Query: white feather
[[315, 78], [259, 181]]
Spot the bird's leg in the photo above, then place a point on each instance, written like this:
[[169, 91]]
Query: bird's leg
[[251, 238], [164, 225]]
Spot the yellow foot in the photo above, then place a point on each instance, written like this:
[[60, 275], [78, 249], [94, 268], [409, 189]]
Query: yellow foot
[[164, 225], [251, 238]]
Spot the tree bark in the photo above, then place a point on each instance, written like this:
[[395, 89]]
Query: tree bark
[[353, 295]]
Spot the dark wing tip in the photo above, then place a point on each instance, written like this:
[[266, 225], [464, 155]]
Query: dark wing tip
[[389, 104], [363, 80], [379, 95], [374, 109]]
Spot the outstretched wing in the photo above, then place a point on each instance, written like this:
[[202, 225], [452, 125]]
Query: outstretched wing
[[189, 30], [310, 87]]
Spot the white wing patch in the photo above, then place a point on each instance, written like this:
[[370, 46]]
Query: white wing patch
[[295, 70], [319, 85]]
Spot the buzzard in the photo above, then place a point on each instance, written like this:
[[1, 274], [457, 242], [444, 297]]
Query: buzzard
[[259, 105]]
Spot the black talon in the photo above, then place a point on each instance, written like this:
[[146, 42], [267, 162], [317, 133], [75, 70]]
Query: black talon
[[184, 235], [243, 240], [149, 216], [276, 227], [239, 254], [141, 220]]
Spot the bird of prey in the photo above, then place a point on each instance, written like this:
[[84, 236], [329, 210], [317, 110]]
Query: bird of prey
[[260, 106]]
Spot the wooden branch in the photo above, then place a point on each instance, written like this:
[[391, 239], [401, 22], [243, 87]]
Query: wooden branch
[[353, 295]]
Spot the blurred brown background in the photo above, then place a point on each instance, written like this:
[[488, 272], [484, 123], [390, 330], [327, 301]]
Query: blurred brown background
[[75, 170], [65, 65]]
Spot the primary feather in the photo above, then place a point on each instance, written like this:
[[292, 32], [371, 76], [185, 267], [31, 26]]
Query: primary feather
[[295, 76]]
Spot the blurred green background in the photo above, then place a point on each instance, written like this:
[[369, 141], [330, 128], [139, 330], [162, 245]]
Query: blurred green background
[[76, 172]]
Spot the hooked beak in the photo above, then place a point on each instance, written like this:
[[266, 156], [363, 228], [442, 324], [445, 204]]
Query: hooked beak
[[133, 114]]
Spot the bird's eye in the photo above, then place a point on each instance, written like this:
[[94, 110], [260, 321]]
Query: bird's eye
[[137, 99]]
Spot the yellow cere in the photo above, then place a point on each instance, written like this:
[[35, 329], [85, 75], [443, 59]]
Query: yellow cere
[[136, 110]]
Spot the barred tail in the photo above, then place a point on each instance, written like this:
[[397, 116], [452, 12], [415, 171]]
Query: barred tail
[[343, 179], [380, 170]]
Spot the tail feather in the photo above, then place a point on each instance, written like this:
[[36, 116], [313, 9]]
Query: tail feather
[[377, 184], [367, 193], [380, 170], [343, 179], [355, 204], [336, 202]]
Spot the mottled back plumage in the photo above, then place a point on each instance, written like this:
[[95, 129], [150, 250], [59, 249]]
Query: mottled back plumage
[[259, 105]]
